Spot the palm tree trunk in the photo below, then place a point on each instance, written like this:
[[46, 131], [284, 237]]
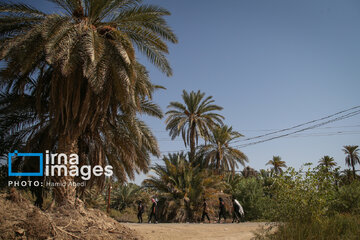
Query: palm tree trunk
[[218, 162], [353, 167], [192, 144], [64, 191]]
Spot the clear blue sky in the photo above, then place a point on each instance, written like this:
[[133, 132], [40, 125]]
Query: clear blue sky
[[271, 65]]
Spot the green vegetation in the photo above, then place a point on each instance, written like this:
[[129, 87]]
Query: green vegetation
[[181, 187], [352, 157], [313, 204], [217, 152], [71, 83], [194, 119], [276, 164]]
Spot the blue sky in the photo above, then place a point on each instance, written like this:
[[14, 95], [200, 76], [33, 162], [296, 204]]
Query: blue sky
[[271, 65]]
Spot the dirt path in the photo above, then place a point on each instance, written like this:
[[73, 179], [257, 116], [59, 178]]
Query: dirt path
[[176, 231]]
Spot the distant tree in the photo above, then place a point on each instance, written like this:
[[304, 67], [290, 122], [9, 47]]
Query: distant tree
[[277, 164], [327, 162], [232, 180], [125, 195], [249, 172], [196, 118], [352, 156], [347, 176], [217, 152]]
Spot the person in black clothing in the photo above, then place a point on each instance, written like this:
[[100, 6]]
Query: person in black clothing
[[205, 214], [153, 211], [222, 210], [140, 211], [236, 213]]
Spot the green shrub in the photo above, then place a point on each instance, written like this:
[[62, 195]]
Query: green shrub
[[347, 199], [250, 193], [301, 196], [336, 227]]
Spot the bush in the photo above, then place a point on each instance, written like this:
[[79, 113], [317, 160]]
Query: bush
[[336, 227], [301, 196], [309, 205], [347, 199], [249, 192]]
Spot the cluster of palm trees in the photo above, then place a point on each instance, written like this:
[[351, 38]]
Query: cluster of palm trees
[[71, 82], [196, 118], [352, 158], [186, 178]]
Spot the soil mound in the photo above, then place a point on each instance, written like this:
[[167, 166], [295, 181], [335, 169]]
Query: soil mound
[[20, 219]]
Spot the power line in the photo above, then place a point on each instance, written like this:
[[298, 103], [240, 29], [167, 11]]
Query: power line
[[268, 130], [301, 130], [290, 136], [341, 117], [310, 134], [297, 126]]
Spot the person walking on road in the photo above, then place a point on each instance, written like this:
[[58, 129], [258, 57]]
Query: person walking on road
[[205, 214], [222, 209], [140, 211], [153, 211], [238, 210]]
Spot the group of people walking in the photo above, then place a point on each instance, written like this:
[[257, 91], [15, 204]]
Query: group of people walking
[[238, 211], [152, 213]]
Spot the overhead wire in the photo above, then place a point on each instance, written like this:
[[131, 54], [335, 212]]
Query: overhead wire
[[348, 115], [299, 125]]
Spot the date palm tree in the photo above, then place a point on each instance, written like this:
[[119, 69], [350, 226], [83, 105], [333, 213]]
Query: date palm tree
[[124, 142], [352, 157], [249, 172], [88, 55], [277, 164], [218, 153], [327, 162], [195, 118], [182, 185], [125, 195]]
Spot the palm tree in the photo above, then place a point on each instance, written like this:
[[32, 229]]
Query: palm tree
[[193, 119], [182, 186], [352, 157], [232, 181], [217, 152], [125, 195], [327, 162], [249, 172], [87, 56], [277, 164], [125, 143]]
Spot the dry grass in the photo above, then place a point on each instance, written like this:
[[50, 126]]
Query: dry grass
[[20, 219]]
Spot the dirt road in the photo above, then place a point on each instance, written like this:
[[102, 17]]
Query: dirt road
[[177, 231]]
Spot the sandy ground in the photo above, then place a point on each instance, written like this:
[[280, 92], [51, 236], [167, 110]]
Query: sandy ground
[[176, 231]]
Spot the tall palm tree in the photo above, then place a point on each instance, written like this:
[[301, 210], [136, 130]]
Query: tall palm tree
[[193, 119], [88, 55], [124, 142], [277, 164], [352, 156], [217, 152], [328, 162]]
